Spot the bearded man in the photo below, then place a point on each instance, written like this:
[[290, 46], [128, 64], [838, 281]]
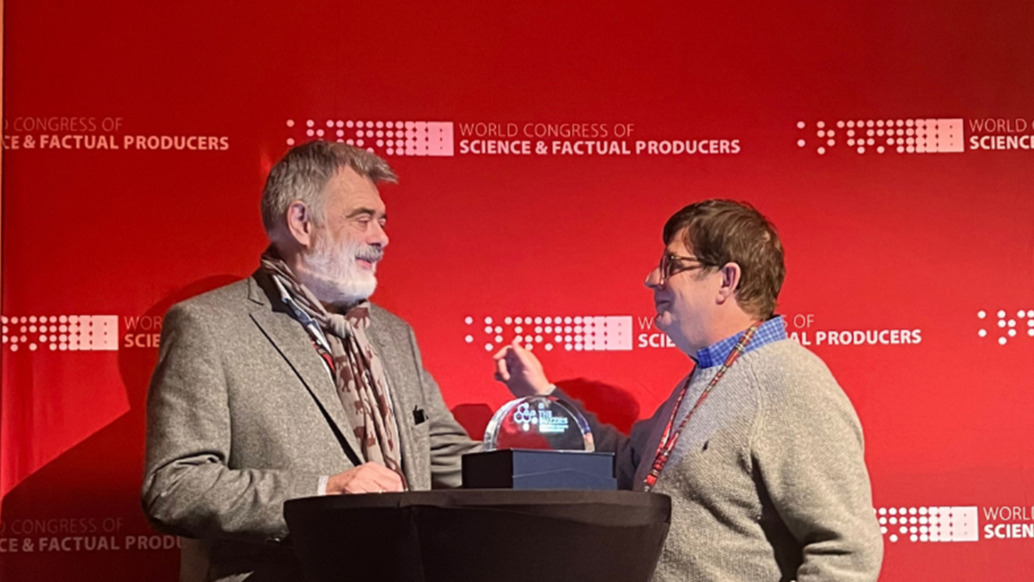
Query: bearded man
[[291, 383]]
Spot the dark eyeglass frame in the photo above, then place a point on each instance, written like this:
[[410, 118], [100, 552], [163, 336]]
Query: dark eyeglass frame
[[672, 264]]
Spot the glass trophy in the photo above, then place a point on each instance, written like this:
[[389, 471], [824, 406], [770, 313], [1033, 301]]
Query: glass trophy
[[538, 422]]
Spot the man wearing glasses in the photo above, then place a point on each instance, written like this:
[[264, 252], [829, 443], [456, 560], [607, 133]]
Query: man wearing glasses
[[759, 448]]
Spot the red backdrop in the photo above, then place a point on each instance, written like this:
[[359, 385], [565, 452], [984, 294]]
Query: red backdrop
[[540, 149]]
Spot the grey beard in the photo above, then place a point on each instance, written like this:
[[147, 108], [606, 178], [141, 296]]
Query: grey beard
[[340, 293], [335, 282]]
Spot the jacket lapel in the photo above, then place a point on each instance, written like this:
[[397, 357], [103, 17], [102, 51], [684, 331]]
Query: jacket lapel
[[293, 343], [401, 399]]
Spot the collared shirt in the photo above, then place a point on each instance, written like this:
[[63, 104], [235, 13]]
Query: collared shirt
[[772, 330]]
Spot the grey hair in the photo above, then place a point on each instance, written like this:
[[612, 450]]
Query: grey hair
[[303, 173]]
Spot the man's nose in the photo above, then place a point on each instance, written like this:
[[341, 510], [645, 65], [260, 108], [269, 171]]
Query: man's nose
[[654, 279], [377, 236]]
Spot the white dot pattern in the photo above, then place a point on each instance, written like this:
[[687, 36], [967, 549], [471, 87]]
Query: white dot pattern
[[930, 523], [913, 136], [75, 332], [400, 138], [998, 326], [589, 332]]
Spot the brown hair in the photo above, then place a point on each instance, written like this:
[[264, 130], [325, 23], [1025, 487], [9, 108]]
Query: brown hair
[[722, 231]]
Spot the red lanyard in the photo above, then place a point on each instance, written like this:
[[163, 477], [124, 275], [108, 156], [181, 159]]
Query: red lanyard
[[328, 358], [668, 439]]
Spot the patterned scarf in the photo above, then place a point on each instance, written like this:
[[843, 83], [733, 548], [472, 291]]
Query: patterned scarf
[[357, 370]]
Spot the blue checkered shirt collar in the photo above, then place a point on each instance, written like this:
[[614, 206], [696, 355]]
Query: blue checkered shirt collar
[[772, 330]]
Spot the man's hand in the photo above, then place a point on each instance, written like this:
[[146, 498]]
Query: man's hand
[[521, 371], [366, 478]]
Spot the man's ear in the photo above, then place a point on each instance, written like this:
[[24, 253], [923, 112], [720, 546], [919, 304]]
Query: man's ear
[[299, 223], [731, 274]]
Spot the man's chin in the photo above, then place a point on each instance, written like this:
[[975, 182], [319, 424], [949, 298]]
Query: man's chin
[[662, 320], [343, 294], [359, 292]]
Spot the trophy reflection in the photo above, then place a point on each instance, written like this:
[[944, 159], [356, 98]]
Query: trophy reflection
[[538, 422], [539, 442]]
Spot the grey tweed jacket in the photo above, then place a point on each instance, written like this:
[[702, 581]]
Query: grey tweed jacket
[[242, 415]]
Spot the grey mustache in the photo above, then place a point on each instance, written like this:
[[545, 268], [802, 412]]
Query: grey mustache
[[370, 253]]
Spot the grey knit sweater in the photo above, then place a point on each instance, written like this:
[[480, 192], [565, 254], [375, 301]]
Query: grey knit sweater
[[768, 480]]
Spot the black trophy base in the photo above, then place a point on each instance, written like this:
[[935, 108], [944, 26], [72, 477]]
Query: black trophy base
[[539, 469]]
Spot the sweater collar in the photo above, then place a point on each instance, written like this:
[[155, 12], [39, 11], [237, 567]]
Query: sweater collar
[[770, 331]]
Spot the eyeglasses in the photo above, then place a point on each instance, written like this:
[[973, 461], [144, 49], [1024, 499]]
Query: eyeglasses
[[672, 264]]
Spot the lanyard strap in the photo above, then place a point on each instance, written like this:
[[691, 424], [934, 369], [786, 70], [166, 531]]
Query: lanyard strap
[[668, 439], [311, 326]]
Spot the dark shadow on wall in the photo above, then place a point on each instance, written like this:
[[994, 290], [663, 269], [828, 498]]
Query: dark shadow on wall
[[611, 404], [473, 418], [98, 481], [137, 365]]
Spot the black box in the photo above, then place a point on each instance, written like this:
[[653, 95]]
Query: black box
[[539, 469]]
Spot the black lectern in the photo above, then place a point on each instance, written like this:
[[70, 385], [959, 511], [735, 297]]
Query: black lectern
[[471, 535]]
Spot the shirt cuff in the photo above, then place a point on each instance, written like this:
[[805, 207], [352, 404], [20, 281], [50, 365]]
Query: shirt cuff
[[321, 488]]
